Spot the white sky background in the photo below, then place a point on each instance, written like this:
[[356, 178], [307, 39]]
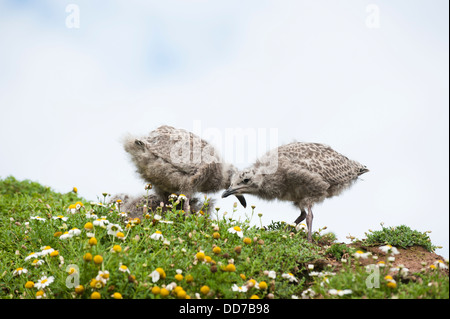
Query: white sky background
[[313, 70]]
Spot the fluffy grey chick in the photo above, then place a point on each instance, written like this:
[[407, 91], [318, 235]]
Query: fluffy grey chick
[[177, 161], [303, 173], [134, 205]]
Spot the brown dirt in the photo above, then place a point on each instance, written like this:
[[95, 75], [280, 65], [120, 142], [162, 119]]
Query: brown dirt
[[411, 258]]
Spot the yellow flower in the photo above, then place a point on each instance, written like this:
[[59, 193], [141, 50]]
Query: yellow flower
[[263, 285], [117, 295], [200, 256], [88, 226], [217, 250], [29, 284], [124, 268], [98, 259], [181, 294], [216, 235], [40, 294], [164, 292], [54, 253], [208, 259], [388, 277], [79, 289], [162, 273], [254, 297], [231, 268], [189, 278], [75, 190], [156, 290], [392, 284], [179, 277], [87, 257], [96, 295], [117, 248], [92, 241], [247, 241], [71, 270], [237, 228], [120, 235], [204, 290], [177, 289], [57, 234], [242, 276]]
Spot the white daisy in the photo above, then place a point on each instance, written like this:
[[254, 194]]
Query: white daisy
[[32, 255], [44, 282], [157, 235], [290, 277], [173, 196], [122, 214], [38, 218], [65, 236], [360, 254], [37, 262], [93, 216], [60, 217], [75, 231], [102, 222], [46, 250], [236, 230], [113, 229], [338, 292], [124, 268], [272, 274], [301, 227], [308, 293], [239, 288], [440, 264], [19, 271], [389, 249]]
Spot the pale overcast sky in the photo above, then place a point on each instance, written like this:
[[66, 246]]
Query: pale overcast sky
[[369, 78]]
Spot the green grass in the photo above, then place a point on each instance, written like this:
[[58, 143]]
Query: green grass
[[400, 236], [277, 248]]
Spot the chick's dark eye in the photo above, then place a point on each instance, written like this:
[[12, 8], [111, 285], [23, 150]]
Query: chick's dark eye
[[245, 181]]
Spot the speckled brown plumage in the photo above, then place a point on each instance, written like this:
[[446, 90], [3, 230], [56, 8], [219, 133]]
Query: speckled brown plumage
[[303, 173], [177, 161]]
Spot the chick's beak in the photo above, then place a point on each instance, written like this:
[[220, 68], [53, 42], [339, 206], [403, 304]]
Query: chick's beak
[[228, 192], [231, 191], [241, 199]]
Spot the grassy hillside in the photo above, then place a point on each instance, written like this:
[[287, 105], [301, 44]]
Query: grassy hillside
[[56, 245]]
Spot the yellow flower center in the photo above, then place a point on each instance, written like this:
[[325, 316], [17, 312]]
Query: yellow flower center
[[117, 248], [237, 228]]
